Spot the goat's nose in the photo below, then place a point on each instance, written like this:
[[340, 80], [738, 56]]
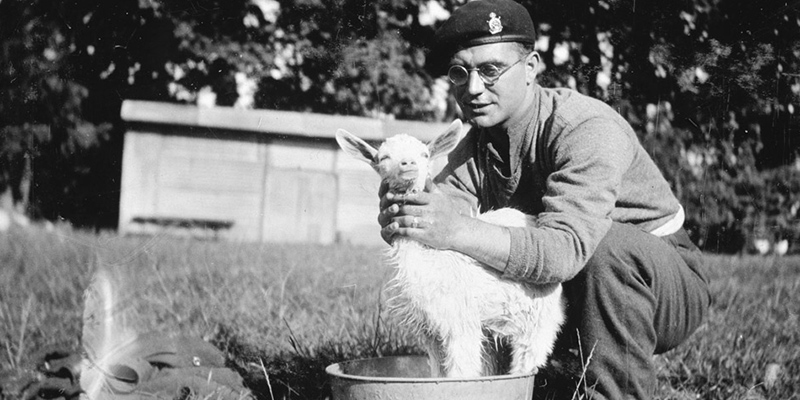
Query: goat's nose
[[408, 162]]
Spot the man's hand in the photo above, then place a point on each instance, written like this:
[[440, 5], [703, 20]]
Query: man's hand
[[432, 218], [429, 217]]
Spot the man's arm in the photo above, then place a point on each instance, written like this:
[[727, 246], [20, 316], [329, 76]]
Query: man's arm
[[588, 163]]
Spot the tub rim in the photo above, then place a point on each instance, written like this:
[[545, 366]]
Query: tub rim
[[335, 370]]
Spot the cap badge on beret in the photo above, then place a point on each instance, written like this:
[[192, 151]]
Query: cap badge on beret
[[495, 25]]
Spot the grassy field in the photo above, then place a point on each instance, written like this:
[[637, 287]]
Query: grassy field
[[298, 308]]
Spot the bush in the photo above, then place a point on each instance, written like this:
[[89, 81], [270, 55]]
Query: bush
[[730, 210], [729, 202], [782, 203]]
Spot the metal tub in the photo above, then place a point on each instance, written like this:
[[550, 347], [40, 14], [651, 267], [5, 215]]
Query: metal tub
[[408, 377]]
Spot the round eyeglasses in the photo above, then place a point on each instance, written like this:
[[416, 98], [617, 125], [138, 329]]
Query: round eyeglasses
[[489, 73]]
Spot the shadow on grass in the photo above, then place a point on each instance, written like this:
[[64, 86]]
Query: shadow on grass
[[300, 374]]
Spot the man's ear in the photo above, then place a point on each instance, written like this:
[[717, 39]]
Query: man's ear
[[356, 147], [447, 141], [532, 62]]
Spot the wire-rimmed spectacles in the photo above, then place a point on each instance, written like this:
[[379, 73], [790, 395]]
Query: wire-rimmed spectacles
[[489, 73]]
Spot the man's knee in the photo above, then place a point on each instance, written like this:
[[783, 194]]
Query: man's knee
[[612, 293], [640, 277], [619, 256]]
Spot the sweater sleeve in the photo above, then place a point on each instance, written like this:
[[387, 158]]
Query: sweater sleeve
[[588, 162]]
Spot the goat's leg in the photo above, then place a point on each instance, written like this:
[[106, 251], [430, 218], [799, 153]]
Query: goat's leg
[[433, 347], [531, 347], [464, 354], [492, 354], [526, 357]]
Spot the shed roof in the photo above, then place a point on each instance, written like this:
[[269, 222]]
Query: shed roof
[[275, 122]]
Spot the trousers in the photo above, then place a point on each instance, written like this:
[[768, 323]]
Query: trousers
[[637, 296]]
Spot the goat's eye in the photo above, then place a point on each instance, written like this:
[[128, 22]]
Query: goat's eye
[[383, 158], [425, 155]]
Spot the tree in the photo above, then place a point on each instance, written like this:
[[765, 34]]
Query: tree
[[40, 108], [700, 80], [67, 68], [711, 86]]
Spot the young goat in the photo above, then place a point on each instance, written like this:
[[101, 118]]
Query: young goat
[[455, 304]]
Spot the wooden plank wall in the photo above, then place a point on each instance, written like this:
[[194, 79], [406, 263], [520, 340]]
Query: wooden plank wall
[[193, 177], [300, 196], [272, 181]]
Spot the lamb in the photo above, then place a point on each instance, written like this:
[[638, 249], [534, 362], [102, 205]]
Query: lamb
[[457, 306]]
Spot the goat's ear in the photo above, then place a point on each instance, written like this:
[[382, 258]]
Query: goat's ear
[[447, 141], [356, 147]]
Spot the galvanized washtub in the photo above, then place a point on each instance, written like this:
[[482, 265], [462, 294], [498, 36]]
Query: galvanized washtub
[[408, 377]]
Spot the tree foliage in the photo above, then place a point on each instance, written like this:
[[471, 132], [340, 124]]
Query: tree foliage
[[713, 87]]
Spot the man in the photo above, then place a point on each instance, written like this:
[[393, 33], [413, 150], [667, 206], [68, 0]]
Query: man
[[609, 226]]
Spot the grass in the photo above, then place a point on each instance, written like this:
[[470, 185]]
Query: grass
[[753, 323], [283, 312]]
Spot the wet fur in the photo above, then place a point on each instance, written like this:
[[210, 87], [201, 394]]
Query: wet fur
[[460, 308]]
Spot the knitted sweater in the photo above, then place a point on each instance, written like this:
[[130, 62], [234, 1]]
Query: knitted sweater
[[577, 165]]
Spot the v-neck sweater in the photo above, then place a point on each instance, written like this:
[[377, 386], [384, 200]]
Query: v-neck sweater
[[577, 165]]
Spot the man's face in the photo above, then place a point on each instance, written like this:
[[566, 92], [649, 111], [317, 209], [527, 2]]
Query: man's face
[[502, 102]]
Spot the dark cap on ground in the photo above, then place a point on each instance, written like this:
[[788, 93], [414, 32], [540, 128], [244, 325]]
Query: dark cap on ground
[[479, 22]]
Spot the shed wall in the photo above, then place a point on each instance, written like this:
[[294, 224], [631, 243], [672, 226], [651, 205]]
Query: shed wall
[[272, 184]]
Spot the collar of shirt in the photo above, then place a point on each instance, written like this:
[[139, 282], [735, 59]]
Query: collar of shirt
[[502, 172]]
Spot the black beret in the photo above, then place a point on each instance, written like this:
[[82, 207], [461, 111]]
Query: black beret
[[479, 22]]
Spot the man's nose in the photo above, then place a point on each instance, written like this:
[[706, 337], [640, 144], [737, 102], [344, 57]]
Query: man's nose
[[475, 84]]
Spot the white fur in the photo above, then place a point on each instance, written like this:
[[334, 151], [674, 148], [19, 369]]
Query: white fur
[[455, 304]]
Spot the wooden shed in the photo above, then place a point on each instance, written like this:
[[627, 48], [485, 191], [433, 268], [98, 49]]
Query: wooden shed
[[250, 175]]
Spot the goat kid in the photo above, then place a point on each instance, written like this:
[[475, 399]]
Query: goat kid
[[456, 305]]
